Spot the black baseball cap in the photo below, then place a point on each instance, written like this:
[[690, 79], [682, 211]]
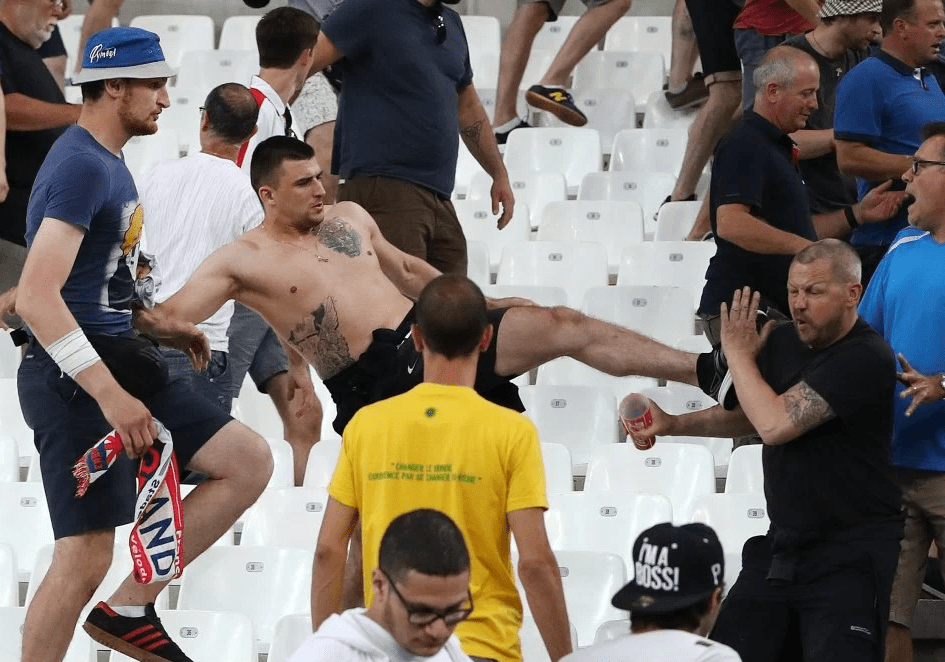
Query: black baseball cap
[[674, 567]]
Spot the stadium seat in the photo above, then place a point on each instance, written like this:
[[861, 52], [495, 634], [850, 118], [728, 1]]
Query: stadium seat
[[681, 472], [485, 68], [478, 269], [258, 412], [239, 33], [535, 189], [178, 33], [543, 295], [282, 464], [694, 344], [207, 69], [663, 313], [616, 224], [612, 630], [608, 110], [647, 189], [578, 417], [658, 114], [9, 358], [745, 473], [482, 35], [650, 150], [291, 631], [466, 168], [321, 463], [11, 638], [141, 152], [736, 517], [575, 266], [533, 646], [265, 583], [9, 459], [479, 224], [642, 33], [24, 522], [553, 33], [638, 72], [557, 461], [11, 418], [487, 99], [565, 370], [574, 152], [675, 220], [603, 521], [676, 398], [183, 116], [70, 29], [668, 263], [290, 517], [9, 576], [207, 635]]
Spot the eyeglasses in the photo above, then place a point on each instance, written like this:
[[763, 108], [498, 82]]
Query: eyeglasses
[[918, 164], [440, 26], [423, 616]]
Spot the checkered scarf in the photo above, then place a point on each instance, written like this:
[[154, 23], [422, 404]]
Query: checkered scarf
[[156, 538]]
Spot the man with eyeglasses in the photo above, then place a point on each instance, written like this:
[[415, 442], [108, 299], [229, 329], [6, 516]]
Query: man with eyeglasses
[[905, 303], [421, 588], [881, 106]]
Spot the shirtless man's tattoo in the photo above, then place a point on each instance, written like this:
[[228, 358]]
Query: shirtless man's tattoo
[[339, 237], [317, 336]]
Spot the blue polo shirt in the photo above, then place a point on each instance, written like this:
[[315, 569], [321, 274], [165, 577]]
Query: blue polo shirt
[[905, 303], [754, 166], [884, 103]]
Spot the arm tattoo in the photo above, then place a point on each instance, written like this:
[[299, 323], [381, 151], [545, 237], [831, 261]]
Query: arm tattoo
[[338, 236], [320, 341], [806, 408], [471, 133]]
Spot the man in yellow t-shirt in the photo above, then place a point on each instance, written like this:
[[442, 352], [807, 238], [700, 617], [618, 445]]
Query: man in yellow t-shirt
[[443, 446]]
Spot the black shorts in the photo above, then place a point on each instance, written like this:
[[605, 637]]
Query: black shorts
[[391, 366], [67, 421], [712, 22], [52, 47]]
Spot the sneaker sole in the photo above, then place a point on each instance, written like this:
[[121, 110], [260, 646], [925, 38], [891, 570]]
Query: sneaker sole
[[689, 104], [120, 645], [563, 113]]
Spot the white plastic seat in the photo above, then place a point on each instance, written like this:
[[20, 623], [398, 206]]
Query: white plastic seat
[[9, 576], [681, 472], [11, 417], [207, 635], [258, 412], [603, 521], [544, 295], [11, 638], [745, 471], [612, 630], [535, 189], [70, 29], [616, 224], [533, 646], [694, 344], [641, 33], [736, 517], [572, 151], [289, 517], [183, 116], [557, 461], [663, 313], [487, 96], [669, 263], [9, 357], [24, 522], [590, 580], [479, 224], [652, 150], [179, 33], [239, 33], [676, 398], [482, 35], [578, 417], [467, 167], [575, 266], [607, 109], [290, 633], [639, 72], [658, 114], [320, 466], [283, 473], [565, 370], [141, 152], [485, 68], [478, 263], [553, 34], [647, 189], [9, 459], [675, 219], [265, 583], [205, 69]]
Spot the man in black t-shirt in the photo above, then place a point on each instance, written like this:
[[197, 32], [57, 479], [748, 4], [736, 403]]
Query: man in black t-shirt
[[819, 392]]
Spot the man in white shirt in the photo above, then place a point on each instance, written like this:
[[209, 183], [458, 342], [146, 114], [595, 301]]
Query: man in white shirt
[[421, 593], [673, 600]]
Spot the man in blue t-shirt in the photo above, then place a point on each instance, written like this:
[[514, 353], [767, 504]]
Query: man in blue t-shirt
[[407, 97], [881, 106], [905, 303], [80, 376]]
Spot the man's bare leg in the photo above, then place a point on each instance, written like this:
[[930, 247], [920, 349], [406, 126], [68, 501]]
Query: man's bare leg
[[322, 138], [601, 345], [516, 47], [898, 643], [685, 50], [713, 120], [302, 429], [586, 33]]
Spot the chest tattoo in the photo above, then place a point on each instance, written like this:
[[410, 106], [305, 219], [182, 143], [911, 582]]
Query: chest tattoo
[[338, 236], [318, 337]]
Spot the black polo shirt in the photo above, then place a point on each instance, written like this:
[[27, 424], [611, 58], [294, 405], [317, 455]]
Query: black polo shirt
[[754, 166], [24, 73], [834, 482]]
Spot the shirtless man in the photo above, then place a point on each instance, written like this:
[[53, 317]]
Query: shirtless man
[[341, 296]]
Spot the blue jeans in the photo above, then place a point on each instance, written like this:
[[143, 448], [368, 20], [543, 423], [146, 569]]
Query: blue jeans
[[751, 47], [214, 383]]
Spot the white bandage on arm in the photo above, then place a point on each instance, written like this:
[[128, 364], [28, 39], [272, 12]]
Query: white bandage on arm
[[73, 353]]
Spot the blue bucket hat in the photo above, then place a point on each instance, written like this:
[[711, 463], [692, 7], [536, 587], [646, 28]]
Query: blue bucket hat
[[122, 53]]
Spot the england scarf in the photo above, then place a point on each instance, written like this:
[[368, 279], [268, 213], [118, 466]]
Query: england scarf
[[156, 538]]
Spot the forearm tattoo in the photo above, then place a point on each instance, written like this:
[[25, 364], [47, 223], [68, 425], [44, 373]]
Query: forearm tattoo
[[472, 133], [338, 236], [319, 339], [805, 407]]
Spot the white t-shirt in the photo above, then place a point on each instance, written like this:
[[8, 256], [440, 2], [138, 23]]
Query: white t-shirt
[[271, 121], [656, 646], [192, 206], [353, 637]]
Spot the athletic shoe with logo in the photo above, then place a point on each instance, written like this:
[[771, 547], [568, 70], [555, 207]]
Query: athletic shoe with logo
[[556, 101], [142, 638]]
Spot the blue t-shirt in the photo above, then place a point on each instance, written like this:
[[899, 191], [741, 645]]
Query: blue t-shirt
[[905, 303], [883, 103], [397, 114], [82, 183]]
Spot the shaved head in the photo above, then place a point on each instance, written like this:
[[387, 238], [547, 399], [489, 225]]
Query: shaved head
[[844, 261]]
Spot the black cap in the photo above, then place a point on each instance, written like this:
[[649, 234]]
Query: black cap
[[674, 567]]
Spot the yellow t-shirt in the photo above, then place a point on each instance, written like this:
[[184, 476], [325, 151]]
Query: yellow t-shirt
[[445, 447]]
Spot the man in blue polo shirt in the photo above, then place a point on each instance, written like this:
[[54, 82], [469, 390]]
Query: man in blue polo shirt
[[881, 106]]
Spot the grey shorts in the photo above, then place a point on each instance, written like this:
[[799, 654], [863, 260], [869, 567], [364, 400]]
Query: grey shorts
[[555, 6], [254, 348]]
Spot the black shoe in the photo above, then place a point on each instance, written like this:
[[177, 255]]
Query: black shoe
[[715, 379], [502, 136], [693, 94], [556, 101], [669, 198], [139, 637]]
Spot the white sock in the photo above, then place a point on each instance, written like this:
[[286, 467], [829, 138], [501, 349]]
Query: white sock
[[677, 90], [128, 610], [508, 126]]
